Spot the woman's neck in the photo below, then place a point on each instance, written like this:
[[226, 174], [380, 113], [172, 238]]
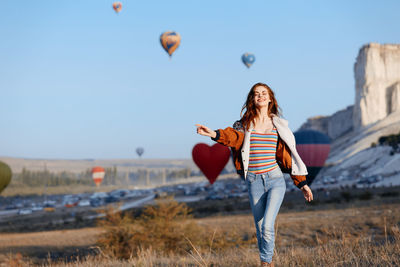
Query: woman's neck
[[262, 115]]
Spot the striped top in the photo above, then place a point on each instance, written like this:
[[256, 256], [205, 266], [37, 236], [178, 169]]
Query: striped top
[[262, 151]]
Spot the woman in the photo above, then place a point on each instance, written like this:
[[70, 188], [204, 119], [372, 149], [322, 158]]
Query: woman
[[263, 147]]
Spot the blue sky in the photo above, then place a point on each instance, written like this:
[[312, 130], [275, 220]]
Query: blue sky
[[79, 81]]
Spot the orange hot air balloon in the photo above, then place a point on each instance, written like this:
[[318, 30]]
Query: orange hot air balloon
[[117, 6], [98, 175], [170, 41]]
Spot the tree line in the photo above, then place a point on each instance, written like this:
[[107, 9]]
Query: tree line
[[39, 178]]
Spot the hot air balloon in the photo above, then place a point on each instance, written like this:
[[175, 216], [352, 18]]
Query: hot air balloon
[[98, 175], [248, 59], [211, 160], [5, 175], [140, 151], [313, 147], [117, 6], [170, 41]]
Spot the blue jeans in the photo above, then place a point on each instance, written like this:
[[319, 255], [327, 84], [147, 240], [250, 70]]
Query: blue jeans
[[266, 192]]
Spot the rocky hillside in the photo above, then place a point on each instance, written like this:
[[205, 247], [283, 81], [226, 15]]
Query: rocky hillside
[[352, 154]]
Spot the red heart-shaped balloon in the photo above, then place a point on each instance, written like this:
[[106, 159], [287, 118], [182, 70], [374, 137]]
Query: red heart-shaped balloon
[[211, 159]]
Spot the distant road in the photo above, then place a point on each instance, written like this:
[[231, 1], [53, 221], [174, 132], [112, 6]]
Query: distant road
[[136, 203], [127, 205], [189, 198]]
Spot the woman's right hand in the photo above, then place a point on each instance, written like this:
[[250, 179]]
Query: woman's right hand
[[307, 193], [204, 130]]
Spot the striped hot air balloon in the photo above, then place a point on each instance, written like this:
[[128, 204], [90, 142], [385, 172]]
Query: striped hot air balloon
[[117, 6], [313, 147], [98, 175], [170, 41]]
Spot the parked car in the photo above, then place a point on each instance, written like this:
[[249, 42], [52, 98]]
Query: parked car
[[84, 203], [96, 202], [99, 195], [49, 207], [24, 211], [111, 199], [214, 197], [71, 202], [119, 193], [11, 207], [37, 208]]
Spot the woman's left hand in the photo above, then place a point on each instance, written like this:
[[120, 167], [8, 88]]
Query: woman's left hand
[[307, 193]]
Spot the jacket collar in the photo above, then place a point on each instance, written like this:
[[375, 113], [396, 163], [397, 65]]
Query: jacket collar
[[279, 120]]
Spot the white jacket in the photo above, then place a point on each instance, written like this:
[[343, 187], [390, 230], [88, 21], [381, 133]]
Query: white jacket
[[284, 132]]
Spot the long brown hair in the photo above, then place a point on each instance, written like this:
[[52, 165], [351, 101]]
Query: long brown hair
[[250, 108]]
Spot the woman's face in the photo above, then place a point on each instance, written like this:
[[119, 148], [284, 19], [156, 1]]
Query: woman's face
[[261, 97]]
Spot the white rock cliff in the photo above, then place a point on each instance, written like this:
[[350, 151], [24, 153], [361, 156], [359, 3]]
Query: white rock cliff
[[377, 76]]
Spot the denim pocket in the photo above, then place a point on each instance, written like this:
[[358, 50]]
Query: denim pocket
[[251, 177], [275, 173]]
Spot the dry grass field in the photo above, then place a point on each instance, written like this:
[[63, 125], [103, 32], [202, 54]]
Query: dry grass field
[[350, 236]]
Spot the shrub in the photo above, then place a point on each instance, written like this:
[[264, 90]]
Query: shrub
[[166, 227], [116, 240], [392, 140]]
